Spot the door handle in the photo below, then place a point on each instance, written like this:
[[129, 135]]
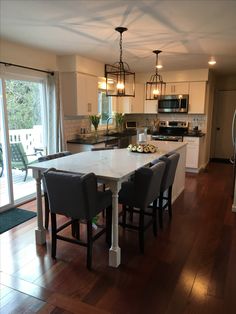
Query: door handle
[[218, 129]]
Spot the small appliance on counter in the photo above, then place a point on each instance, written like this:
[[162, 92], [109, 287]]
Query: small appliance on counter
[[131, 124]]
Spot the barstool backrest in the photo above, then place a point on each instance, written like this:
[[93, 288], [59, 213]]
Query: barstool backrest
[[54, 156], [147, 183], [171, 161], [71, 194]]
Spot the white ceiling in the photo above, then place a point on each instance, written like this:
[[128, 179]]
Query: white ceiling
[[188, 32]]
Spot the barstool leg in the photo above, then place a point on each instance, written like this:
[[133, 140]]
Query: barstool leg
[[46, 210], [89, 244], [170, 201], [54, 235], [154, 217], [123, 216], [160, 210], [141, 230]]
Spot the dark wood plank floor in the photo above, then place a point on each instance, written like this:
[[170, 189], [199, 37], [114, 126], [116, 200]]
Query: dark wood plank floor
[[188, 268]]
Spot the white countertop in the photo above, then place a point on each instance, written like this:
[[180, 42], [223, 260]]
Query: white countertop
[[114, 164]]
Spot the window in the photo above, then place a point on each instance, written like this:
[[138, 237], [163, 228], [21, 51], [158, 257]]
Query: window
[[104, 107]]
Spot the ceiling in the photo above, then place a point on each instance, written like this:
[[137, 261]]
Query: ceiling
[[187, 32]]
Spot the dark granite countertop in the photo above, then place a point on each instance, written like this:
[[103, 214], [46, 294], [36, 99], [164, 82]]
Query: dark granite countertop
[[92, 140], [190, 134], [195, 134]]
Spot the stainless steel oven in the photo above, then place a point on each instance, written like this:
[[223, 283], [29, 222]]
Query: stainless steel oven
[[171, 131]]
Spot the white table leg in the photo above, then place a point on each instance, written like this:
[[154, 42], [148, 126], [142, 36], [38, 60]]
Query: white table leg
[[40, 232], [114, 253]]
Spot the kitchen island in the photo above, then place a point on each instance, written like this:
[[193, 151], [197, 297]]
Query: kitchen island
[[111, 167]]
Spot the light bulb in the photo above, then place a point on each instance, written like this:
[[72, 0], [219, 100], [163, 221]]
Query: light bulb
[[159, 66], [120, 85], [212, 61], [156, 92]]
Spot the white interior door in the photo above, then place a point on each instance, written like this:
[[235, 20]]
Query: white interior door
[[225, 107]]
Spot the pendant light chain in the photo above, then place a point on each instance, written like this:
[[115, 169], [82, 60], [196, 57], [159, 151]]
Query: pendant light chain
[[120, 47], [120, 80]]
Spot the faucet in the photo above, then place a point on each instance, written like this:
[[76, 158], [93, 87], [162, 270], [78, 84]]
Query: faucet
[[108, 119]]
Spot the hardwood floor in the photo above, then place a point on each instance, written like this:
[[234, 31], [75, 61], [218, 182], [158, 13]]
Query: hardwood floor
[[189, 268]]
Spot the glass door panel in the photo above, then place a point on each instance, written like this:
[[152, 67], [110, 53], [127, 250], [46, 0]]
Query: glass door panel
[[24, 102], [6, 195]]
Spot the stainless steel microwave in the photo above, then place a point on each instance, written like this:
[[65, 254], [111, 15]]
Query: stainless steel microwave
[[173, 103]]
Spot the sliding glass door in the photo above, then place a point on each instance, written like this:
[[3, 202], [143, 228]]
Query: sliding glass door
[[22, 141]]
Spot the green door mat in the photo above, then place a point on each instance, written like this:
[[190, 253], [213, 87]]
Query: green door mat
[[13, 217]]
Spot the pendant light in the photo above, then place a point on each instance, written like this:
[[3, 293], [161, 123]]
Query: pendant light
[[119, 78], [155, 88]]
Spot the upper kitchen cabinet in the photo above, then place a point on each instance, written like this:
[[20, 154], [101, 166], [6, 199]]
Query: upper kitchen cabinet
[[197, 96], [132, 104], [150, 106], [177, 88], [79, 93]]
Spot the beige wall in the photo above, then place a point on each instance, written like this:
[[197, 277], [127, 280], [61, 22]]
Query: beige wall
[[80, 64], [27, 56]]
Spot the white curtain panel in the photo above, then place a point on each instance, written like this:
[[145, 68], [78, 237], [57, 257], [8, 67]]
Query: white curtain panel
[[54, 114]]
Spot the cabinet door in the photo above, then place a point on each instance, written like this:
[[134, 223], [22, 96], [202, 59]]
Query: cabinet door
[[87, 94], [150, 106], [177, 88], [192, 154], [68, 93], [197, 93], [124, 104], [137, 102]]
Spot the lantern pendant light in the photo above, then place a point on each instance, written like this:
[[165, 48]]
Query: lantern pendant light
[[155, 88], [120, 79]]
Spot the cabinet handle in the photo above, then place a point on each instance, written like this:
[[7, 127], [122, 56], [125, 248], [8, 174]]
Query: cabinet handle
[[89, 107]]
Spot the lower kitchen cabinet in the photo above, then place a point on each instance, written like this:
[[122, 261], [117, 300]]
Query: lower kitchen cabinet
[[195, 153]]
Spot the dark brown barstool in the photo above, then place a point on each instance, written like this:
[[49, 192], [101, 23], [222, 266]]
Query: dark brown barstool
[[46, 205], [137, 194], [77, 198], [165, 198]]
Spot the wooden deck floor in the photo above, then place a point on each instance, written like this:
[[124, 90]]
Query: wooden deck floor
[[188, 268], [21, 188]]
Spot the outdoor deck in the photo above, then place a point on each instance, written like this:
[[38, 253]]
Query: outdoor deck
[[21, 188]]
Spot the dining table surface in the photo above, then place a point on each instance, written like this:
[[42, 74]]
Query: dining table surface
[[111, 167]]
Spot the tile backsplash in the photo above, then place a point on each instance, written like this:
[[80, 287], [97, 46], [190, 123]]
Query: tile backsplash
[[73, 126], [151, 120], [194, 120]]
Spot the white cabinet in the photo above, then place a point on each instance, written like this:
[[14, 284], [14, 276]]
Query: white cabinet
[[79, 93], [197, 94], [150, 106], [177, 88], [195, 149], [132, 104]]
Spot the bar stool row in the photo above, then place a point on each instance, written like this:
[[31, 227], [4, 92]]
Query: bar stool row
[[77, 197]]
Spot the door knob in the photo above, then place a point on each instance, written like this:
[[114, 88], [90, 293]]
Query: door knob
[[218, 129]]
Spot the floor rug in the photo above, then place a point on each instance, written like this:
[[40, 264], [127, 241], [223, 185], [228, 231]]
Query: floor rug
[[13, 217]]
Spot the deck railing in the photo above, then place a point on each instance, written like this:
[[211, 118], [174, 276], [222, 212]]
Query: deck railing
[[30, 138]]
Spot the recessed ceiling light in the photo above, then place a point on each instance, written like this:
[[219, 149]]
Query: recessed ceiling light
[[212, 61]]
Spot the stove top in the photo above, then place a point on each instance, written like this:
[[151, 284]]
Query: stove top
[[173, 128], [173, 138]]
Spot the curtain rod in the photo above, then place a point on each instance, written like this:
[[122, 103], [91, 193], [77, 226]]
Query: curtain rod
[[24, 67]]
